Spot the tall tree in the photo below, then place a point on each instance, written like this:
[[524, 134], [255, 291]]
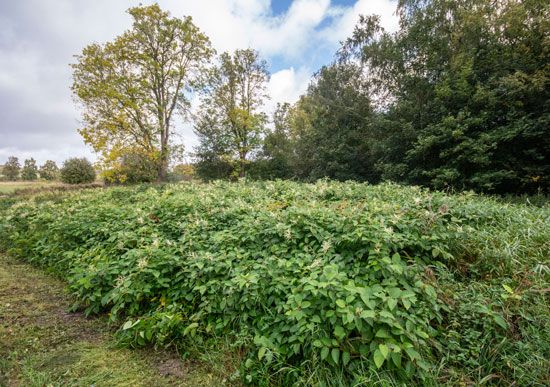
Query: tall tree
[[12, 168], [336, 139], [230, 122], [30, 170], [276, 157], [129, 89], [466, 93]]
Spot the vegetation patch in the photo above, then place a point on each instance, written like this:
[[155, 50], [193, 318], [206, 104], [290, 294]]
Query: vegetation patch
[[41, 344], [327, 283]]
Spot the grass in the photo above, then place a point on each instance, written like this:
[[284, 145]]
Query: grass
[[41, 344], [9, 187]]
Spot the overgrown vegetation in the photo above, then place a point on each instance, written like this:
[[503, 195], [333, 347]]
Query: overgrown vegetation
[[328, 283], [41, 344]]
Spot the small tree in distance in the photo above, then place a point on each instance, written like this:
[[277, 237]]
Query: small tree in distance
[[11, 168], [30, 170], [77, 171], [49, 171]]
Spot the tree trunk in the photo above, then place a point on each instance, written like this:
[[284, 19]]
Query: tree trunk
[[163, 162]]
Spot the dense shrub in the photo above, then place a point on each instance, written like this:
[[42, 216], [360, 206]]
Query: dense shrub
[[77, 171], [328, 283]]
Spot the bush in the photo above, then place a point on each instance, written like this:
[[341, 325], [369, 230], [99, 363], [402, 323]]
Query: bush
[[326, 283], [77, 171]]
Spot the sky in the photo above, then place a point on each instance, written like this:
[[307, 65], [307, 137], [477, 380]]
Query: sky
[[38, 39]]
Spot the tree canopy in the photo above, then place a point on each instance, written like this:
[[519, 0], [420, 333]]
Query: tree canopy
[[131, 88], [231, 122]]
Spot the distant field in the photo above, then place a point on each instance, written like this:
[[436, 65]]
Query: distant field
[[7, 187]]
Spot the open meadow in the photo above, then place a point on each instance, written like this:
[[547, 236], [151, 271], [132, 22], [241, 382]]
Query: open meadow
[[309, 284], [10, 187]]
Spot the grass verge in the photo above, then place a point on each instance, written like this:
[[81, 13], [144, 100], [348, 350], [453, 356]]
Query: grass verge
[[41, 344]]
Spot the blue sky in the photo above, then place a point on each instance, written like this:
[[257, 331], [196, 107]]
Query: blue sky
[[38, 40]]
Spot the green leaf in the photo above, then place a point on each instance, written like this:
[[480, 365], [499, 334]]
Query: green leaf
[[341, 303], [382, 334], [335, 353], [127, 325], [508, 289], [500, 321], [392, 302], [345, 357], [324, 352], [412, 353], [339, 332], [317, 343], [396, 358], [261, 353], [384, 350], [378, 358], [368, 314]]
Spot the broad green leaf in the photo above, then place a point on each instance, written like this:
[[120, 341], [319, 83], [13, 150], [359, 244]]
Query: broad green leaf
[[378, 358], [324, 352], [382, 333], [345, 357], [384, 350], [339, 332], [261, 352], [335, 353]]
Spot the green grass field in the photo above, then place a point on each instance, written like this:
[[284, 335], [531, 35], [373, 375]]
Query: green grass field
[[9, 187], [306, 284]]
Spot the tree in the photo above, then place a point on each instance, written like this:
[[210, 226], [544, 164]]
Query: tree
[[12, 168], [332, 126], [129, 89], [230, 122], [275, 158], [49, 171], [464, 93], [30, 170], [77, 171], [134, 167]]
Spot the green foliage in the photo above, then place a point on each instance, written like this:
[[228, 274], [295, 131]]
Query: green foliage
[[130, 89], [328, 283], [463, 87], [49, 171], [230, 122], [11, 168], [77, 171], [135, 167], [30, 170]]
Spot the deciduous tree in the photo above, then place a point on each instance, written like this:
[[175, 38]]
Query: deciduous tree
[[131, 88], [231, 122], [12, 168], [49, 171], [30, 170]]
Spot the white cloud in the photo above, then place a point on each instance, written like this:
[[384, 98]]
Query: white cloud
[[345, 19], [287, 85]]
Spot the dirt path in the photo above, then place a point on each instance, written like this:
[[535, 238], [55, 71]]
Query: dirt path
[[41, 344]]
